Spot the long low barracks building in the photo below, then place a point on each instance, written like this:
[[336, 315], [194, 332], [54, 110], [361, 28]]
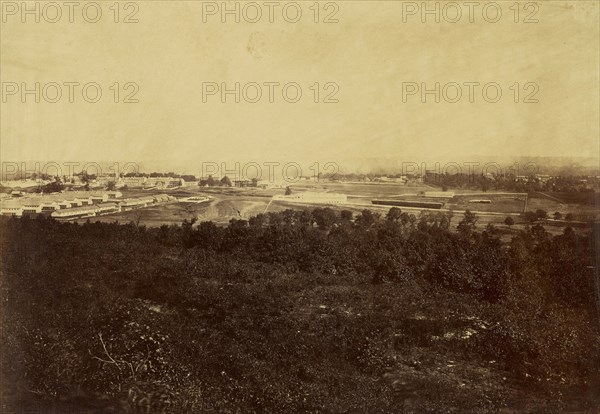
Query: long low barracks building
[[76, 204]]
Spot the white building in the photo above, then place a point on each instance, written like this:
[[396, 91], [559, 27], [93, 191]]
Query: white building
[[11, 208], [50, 205], [131, 203], [99, 197], [25, 183], [44, 203], [108, 208], [75, 212], [162, 198], [32, 205], [114, 194]]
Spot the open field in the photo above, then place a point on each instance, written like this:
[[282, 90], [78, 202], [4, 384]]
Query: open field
[[364, 190], [582, 198], [500, 202]]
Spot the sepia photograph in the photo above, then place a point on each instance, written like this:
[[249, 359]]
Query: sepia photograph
[[299, 207]]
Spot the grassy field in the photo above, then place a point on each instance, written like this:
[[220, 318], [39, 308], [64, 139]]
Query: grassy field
[[364, 189], [500, 202], [587, 198]]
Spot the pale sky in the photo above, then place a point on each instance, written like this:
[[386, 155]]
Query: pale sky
[[370, 53]]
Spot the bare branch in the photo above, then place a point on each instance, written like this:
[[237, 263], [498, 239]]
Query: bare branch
[[106, 352]]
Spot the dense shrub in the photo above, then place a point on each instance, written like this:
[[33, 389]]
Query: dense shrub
[[299, 312]]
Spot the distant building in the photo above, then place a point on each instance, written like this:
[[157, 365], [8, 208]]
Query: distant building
[[50, 205], [99, 197], [163, 182], [25, 183], [245, 183], [75, 212], [386, 179], [11, 208], [132, 203], [46, 203], [542, 177], [32, 205], [194, 199], [131, 182], [150, 182], [114, 194], [264, 184], [409, 203], [162, 198], [108, 208]]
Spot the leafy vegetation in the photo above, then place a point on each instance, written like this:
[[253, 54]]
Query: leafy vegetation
[[298, 312]]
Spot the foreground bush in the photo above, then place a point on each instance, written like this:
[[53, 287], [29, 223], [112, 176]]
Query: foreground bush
[[297, 312]]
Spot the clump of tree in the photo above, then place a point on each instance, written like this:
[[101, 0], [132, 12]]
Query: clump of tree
[[226, 181], [210, 181], [55, 186], [509, 181], [468, 223], [85, 177], [534, 216]]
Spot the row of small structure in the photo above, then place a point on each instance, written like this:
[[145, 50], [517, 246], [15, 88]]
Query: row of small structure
[[76, 204]]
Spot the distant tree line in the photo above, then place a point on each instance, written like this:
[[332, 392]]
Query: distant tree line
[[186, 177], [512, 183]]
